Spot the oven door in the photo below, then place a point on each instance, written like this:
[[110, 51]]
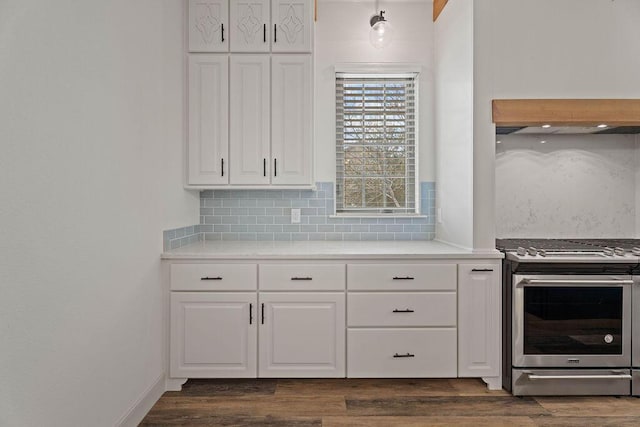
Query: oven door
[[578, 321]]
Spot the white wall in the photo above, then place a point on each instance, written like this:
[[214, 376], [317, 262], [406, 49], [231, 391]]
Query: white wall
[[91, 119], [570, 186], [454, 122], [342, 36], [545, 49]]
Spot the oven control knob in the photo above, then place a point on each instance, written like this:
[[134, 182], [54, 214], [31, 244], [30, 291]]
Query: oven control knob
[[608, 251], [619, 251], [532, 251], [522, 251], [608, 338], [635, 251]]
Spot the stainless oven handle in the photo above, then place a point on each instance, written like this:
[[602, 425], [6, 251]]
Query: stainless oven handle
[[580, 377], [534, 282]]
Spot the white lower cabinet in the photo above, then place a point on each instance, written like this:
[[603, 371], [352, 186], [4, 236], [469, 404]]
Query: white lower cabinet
[[313, 319], [213, 335], [302, 334], [401, 320], [479, 308]]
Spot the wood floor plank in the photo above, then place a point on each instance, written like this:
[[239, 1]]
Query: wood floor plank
[[591, 406], [358, 388], [452, 406], [466, 421], [226, 387], [285, 406], [554, 421], [194, 419]]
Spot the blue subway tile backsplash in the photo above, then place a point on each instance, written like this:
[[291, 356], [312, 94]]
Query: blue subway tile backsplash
[[233, 215], [266, 214]]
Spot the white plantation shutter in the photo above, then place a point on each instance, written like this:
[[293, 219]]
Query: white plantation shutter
[[376, 143]]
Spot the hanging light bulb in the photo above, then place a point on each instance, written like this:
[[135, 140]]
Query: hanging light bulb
[[381, 31]]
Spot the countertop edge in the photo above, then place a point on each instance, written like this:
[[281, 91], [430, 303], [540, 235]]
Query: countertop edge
[[346, 256]]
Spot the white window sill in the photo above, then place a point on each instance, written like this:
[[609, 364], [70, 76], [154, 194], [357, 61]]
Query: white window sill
[[378, 216]]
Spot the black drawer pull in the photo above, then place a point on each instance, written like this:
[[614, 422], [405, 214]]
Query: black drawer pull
[[211, 278], [408, 310], [250, 313], [302, 278], [478, 270], [275, 33], [222, 163], [403, 355], [403, 278], [222, 27], [262, 309], [264, 33]]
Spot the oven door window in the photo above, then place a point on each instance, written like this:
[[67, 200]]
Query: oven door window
[[572, 320]]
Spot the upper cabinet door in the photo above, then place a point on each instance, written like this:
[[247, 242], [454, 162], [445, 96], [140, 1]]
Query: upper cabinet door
[[208, 26], [208, 119], [292, 25], [250, 130], [250, 29], [291, 113]]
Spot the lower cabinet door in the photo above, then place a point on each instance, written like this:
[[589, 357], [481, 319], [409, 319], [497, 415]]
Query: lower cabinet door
[[302, 334], [479, 325], [213, 335], [402, 353]]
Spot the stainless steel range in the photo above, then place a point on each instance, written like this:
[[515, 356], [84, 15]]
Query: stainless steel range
[[567, 316]]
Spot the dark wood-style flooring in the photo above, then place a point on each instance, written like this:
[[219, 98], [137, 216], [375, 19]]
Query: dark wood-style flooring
[[378, 403]]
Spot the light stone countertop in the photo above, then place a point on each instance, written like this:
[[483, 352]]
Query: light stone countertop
[[325, 250]]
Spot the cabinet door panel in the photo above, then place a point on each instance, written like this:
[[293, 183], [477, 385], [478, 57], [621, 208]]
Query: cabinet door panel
[[208, 26], [213, 335], [249, 146], [292, 25], [291, 112], [208, 119], [479, 320], [303, 335], [250, 29]]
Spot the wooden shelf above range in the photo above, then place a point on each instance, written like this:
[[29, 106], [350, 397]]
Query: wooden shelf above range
[[566, 112]]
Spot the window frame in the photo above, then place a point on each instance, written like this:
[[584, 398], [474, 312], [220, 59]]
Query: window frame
[[381, 71]]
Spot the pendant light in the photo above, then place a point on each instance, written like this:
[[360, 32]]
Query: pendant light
[[381, 31]]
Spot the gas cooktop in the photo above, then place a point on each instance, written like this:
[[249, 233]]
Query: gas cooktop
[[571, 250]]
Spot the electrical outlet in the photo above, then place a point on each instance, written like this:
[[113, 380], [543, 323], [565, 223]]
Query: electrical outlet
[[295, 216]]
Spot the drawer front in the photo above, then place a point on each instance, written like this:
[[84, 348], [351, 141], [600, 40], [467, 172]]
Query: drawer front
[[302, 277], [401, 353], [214, 277], [406, 277], [402, 309]]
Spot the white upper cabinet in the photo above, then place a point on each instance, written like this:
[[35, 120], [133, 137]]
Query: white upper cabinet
[[291, 115], [292, 25], [208, 26], [208, 140], [250, 119], [250, 29]]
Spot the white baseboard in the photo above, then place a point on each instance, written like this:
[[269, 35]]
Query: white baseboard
[[143, 404]]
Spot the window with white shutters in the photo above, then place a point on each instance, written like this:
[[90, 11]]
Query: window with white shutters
[[376, 144]]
